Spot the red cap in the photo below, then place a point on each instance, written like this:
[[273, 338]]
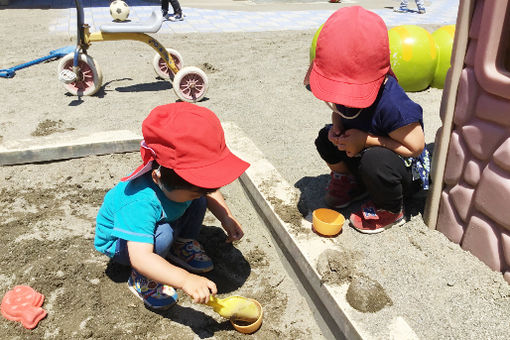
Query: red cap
[[351, 59], [188, 139]]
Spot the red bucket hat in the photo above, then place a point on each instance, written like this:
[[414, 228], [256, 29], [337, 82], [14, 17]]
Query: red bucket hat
[[352, 58], [188, 139]]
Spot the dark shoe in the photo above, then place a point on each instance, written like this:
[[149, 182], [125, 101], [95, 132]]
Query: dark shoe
[[343, 190], [401, 9], [175, 17], [370, 220], [421, 10], [190, 255], [154, 295]]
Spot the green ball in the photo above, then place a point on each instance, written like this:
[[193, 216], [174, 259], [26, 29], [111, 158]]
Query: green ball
[[443, 38], [314, 44], [413, 56]]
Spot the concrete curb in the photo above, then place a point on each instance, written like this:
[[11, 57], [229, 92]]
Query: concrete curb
[[264, 184], [51, 148]]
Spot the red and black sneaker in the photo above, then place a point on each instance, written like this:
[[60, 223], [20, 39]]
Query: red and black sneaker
[[370, 220], [342, 190]]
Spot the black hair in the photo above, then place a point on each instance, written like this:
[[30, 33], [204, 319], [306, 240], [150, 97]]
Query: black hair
[[172, 181]]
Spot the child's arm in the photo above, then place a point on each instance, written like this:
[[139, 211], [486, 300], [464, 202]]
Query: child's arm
[[407, 141], [217, 205], [153, 266]]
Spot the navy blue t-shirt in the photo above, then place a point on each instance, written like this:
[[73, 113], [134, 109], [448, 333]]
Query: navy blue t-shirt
[[392, 109]]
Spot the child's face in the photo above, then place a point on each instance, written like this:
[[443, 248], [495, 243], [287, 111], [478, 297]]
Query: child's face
[[176, 195], [181, 195]]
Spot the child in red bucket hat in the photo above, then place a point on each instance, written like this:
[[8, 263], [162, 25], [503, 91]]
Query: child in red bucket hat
[[153, 216], [375, 145]]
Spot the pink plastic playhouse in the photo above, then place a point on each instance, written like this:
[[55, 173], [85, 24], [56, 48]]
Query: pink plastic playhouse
[[470, 198]]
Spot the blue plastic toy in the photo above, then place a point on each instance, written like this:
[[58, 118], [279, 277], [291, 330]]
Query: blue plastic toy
[[55, 54]]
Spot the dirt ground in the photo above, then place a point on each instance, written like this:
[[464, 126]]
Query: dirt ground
[[47, 211], [47, 222]]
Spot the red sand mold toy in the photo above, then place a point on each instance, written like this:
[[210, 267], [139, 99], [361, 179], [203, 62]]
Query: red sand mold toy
[[23, 304]]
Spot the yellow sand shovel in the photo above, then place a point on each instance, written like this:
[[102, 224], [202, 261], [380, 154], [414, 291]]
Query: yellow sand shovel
[[235, 308]]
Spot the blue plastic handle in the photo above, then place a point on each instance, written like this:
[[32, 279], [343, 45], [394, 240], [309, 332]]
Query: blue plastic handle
[[58, 53], [9, 73]]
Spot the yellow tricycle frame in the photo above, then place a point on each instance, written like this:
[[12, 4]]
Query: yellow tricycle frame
[[81, 75], [88, 38]]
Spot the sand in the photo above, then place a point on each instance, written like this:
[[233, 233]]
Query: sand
[[47, 243], [255, 80]]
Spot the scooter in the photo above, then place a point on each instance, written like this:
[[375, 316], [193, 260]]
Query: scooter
[[82, 76]]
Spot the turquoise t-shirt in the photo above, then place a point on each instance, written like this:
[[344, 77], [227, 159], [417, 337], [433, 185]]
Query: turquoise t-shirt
[[131, 210]]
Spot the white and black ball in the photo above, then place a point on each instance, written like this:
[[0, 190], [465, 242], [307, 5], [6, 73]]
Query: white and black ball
[[119, 10]]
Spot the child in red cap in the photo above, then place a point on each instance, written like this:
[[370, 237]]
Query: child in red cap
[[154, 215], [375, 145]]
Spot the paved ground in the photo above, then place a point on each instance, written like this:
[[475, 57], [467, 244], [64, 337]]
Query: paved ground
[[244, 16]]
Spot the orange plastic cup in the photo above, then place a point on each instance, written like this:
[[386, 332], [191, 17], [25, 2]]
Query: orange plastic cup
[[243, 327], [327, 222]]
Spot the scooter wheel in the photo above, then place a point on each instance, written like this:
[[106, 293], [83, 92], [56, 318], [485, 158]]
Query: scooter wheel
[[89, 78], [190, 84], [162, 68]]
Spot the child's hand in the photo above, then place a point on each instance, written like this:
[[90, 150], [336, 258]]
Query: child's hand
[[333, 134], [233, 229], [352, 142], [199, 288]]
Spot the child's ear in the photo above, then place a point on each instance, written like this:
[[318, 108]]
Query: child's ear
[[156, 175]]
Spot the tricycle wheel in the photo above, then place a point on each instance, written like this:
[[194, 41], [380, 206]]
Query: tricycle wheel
[[162, 68], [190, 84], [89, 78]]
